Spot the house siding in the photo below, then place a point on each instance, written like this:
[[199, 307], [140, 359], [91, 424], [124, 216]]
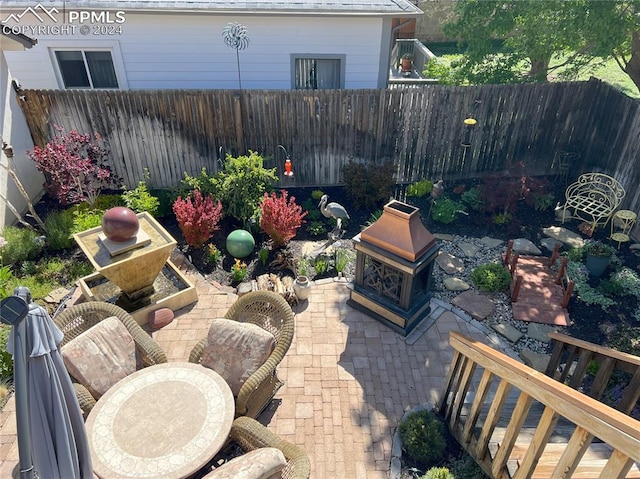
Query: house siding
[[15, 132], [187, 51]]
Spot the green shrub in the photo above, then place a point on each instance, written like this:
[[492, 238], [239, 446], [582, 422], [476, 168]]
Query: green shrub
[[586, 293], [420, 188], [438, 473], [321, 264], [140, 199], [6, 359], [368, 185], [445, 210], [21, 245], [105, 202], [375, 216], [166, 198], [472, 199], [317, 194], [213, 254], [239, 270], [542, 202], [84, 219], [342, 258], [491, 277], [263, 254], [313, 215], [575, 254], [502, 218], [626, 281], [316, 228], [464, 467], [422, 435], [5, 281], [58, 226], [240, 186]]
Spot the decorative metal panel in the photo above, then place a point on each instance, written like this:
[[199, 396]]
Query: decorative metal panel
[[383, 279]]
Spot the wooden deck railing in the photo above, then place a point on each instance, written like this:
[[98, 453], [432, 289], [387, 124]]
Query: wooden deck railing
[[572, 359], [479, 384]]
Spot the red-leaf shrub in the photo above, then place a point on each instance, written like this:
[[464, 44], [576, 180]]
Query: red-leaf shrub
[[197, 217], [280, 218], [74, 167]]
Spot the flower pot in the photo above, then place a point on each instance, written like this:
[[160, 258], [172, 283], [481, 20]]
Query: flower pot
[[596, 265], [302, 288], [406, 64]]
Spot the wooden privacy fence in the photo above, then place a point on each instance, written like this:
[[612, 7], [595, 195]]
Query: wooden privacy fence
[[170, 132]]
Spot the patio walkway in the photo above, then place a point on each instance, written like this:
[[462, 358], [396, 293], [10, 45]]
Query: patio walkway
[[348, 378]]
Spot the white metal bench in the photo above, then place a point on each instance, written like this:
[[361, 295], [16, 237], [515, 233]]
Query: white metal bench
[[593, 199]]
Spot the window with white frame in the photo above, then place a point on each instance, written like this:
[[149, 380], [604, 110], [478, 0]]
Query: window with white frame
[[86, 68], [318, 72]]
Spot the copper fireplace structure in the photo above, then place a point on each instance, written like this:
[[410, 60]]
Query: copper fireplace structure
[[394, 263]]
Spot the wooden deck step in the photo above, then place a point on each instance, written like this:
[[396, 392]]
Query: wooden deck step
[[591, 465]]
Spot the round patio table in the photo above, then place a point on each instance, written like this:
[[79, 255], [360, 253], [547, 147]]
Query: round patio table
[[163, 422]]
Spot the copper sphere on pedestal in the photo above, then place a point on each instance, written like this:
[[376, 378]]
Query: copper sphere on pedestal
[[120, 224]]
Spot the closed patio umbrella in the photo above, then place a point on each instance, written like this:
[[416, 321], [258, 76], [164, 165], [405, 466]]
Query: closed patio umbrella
[[59, 447]]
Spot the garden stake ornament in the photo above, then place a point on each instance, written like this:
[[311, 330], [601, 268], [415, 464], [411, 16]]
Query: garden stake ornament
[[336, 211], [235, 36], [436, 192]]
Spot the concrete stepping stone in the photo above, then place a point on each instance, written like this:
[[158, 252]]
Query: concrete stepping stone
[[524, 246], [566, 236], [474, 304], [449, 263], [508, 331], [455, 284], [550, 243], [468, 249], [535, 360], [491, 242], [540, 332]]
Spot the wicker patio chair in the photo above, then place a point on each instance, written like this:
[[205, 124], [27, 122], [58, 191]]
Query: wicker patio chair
[[272, 313], [249, 434], [79, 318]]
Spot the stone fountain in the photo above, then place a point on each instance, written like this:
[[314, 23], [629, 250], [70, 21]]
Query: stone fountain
[[135, 274]]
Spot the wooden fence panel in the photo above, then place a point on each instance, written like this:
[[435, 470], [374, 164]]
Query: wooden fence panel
[[170, 132]]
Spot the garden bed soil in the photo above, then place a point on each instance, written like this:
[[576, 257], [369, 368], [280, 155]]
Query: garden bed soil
[[589, 322]]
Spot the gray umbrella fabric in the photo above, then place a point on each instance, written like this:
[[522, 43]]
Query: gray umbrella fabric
[[59, 442]]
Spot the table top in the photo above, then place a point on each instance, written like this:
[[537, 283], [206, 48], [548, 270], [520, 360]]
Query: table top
[[625, 214], [162, 422]]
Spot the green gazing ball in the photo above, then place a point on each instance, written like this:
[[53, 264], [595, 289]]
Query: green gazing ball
[[240, 243]]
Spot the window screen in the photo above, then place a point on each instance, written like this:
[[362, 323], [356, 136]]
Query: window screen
[[317, 73], [87, 69]]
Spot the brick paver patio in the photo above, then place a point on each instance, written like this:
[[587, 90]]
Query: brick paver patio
[[348, 378]]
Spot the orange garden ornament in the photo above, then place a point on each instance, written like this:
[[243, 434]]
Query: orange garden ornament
[[288, 166]]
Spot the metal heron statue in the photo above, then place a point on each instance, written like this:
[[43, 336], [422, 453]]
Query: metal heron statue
[[336, 211], [235, 35]]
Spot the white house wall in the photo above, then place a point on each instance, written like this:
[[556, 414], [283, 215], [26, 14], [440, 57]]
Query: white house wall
[[15, 132], [186, 51]]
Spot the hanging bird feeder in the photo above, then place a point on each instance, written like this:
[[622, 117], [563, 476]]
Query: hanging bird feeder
[[469, 123], [288, 166]]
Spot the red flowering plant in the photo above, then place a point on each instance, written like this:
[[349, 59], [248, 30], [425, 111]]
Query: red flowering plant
[[198, 217], [74, 166], [280, 218]]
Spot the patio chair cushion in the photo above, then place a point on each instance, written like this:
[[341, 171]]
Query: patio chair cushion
[[101, 356], [262, 463], [236, 350]]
